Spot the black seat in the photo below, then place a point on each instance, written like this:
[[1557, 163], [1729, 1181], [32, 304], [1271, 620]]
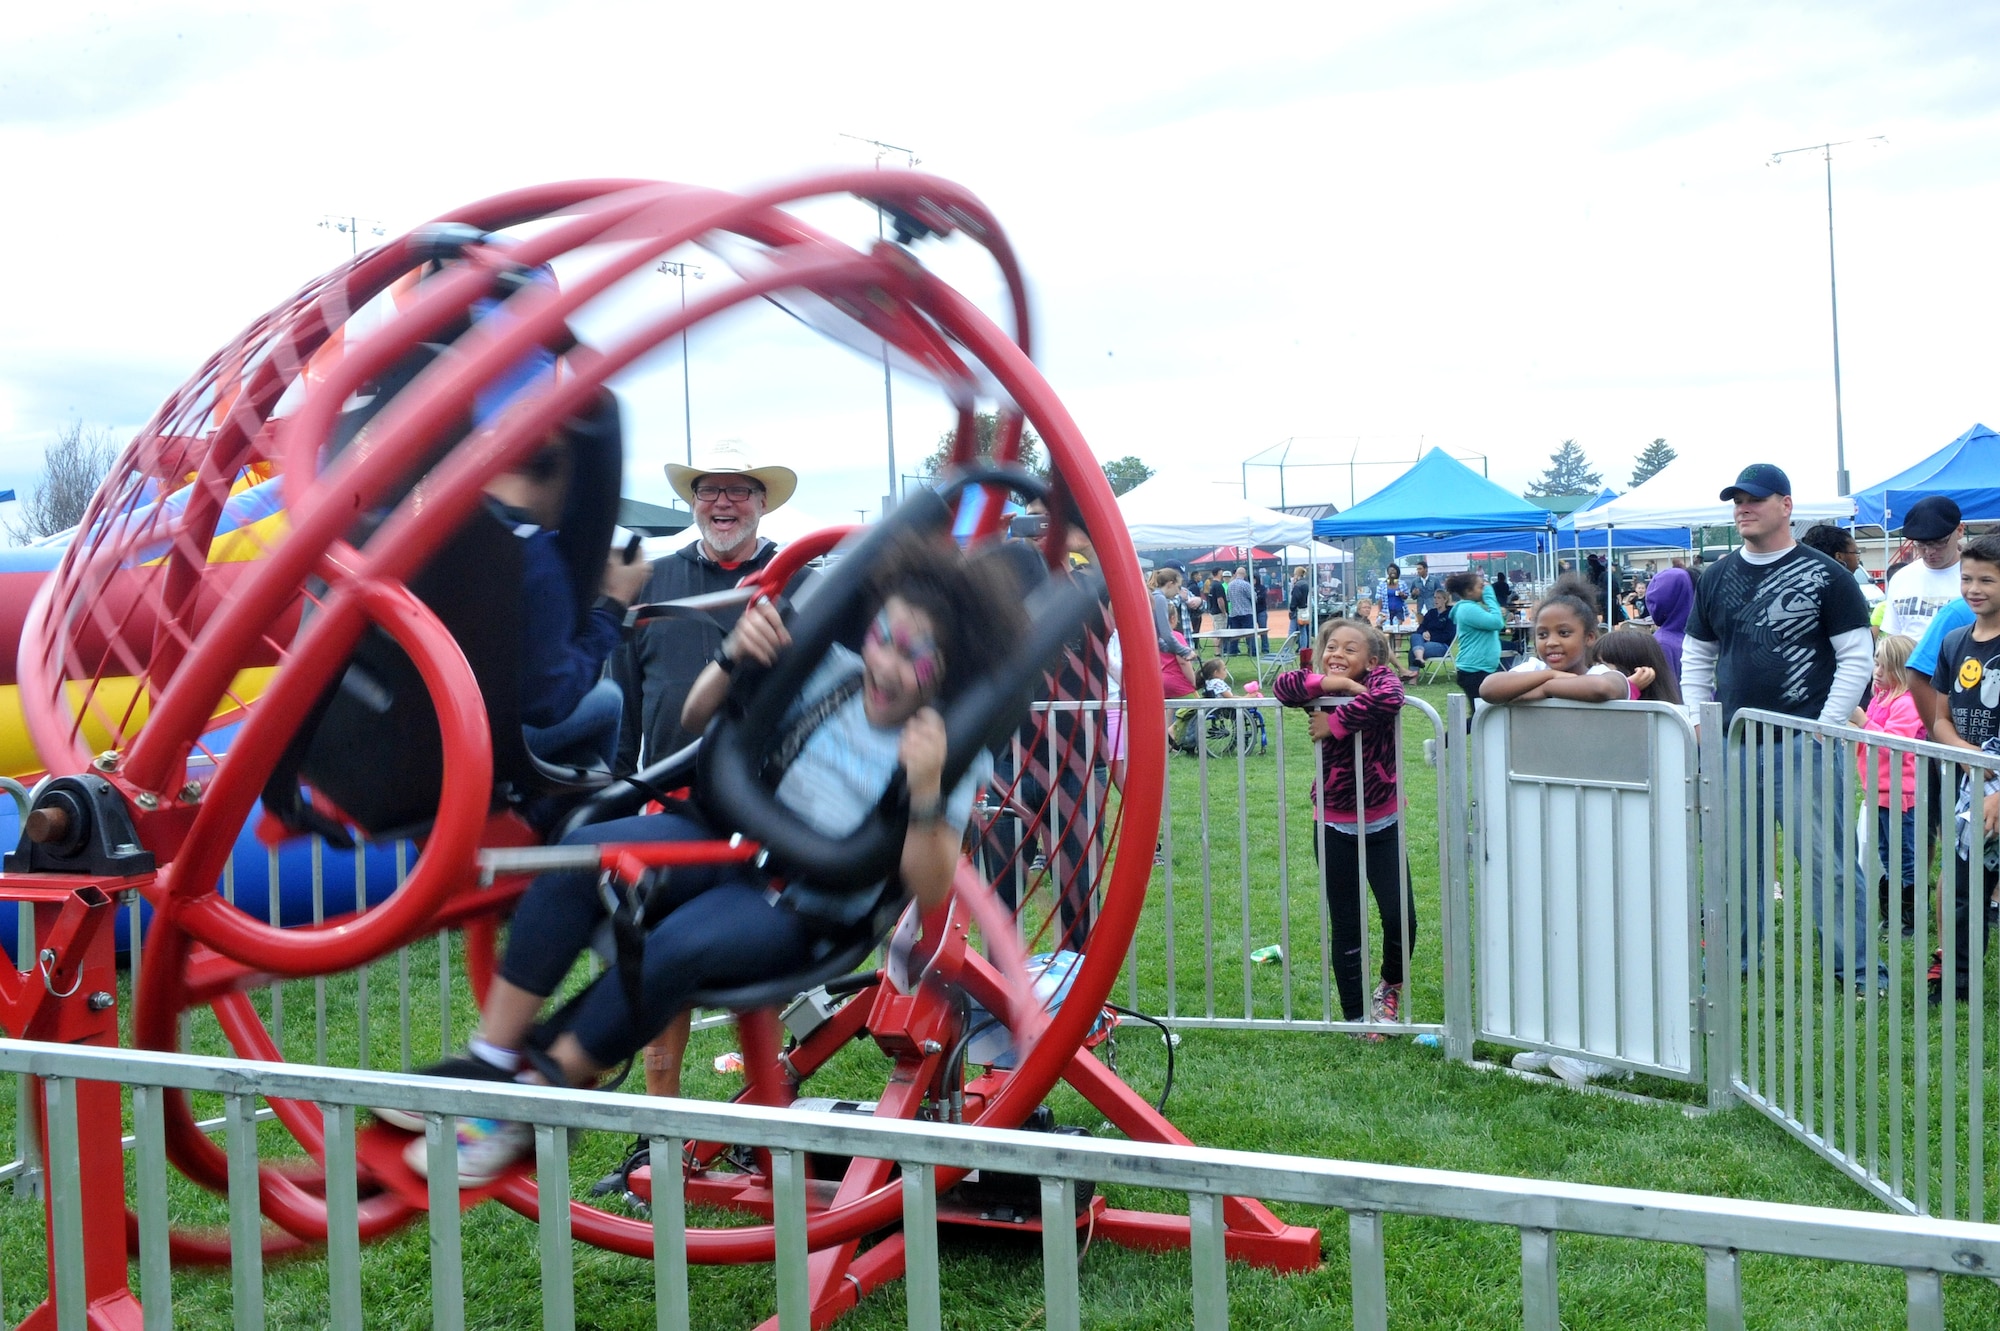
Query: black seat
[[371, 744]]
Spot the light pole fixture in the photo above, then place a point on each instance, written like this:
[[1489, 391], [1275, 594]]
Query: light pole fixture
[[1825, 150], [888, 392], [675, 268], [352, 228]]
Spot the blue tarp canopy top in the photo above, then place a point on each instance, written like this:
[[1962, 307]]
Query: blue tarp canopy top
[[1439, 496], [1566, 538], [1966, 470]]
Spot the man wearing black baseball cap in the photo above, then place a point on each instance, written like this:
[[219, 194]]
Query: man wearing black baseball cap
[[1779, 627], [1925, 585]]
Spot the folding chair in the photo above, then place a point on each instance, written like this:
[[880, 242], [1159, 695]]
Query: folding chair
[[1441, 668]]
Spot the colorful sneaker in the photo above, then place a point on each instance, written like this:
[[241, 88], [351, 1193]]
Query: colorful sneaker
[[466, 1067], [487, 1148], [1387, 1003], [1583, 1071], [1531, 1060]]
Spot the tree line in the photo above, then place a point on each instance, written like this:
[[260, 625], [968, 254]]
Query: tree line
[[1570, 472]]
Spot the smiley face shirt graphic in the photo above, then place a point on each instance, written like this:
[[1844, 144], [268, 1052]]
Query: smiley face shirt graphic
[[1968, 675]]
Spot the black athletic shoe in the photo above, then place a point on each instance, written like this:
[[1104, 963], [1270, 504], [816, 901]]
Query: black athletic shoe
[[617, 1179], [467, 1067]]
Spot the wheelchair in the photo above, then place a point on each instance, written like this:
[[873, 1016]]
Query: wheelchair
[[1222, 731]]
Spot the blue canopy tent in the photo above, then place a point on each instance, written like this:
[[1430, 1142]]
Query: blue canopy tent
[[1532, 541], [1967, 470], [1439, 496]]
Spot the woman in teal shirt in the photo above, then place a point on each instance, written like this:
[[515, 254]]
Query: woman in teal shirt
[[1480, 620]]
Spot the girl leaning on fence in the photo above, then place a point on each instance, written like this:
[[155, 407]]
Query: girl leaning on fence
[[1359, 800]]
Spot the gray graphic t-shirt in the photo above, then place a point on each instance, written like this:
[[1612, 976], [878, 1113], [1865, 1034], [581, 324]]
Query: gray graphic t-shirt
[[1773, 626]]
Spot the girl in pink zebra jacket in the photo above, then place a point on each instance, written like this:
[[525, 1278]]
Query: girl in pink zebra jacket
[[1359, 801]]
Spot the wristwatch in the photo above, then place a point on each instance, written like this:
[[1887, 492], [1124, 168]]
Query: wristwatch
[[927, 811], [722, 660]]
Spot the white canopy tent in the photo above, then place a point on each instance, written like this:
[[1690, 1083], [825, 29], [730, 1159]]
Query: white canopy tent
[[1686, 494], [1160, 513], [1166, 512]]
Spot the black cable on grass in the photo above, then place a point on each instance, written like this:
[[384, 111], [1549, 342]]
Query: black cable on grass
[[1167, 1035]]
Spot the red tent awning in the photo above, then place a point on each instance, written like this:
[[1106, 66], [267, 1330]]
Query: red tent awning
[[1231, 554]]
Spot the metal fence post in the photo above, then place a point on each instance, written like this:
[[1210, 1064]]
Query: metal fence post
[[1718, 1007], [1457, 923]]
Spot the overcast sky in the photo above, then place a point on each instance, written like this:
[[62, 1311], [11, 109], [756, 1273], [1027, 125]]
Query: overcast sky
[[1484, 226]]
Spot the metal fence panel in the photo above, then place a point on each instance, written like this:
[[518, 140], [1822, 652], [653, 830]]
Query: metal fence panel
[[1877, 1067], [1926, 1249], [1219, 904], [1587, 936]]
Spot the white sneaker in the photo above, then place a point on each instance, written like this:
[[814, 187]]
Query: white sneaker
[[1582, 1071], [487, 1148], [1532, 1060]]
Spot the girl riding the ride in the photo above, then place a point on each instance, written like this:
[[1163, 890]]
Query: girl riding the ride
[[1359, 802], [858, 718]]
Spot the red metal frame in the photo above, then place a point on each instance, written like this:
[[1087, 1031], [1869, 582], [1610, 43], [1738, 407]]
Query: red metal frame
[[165, 628]]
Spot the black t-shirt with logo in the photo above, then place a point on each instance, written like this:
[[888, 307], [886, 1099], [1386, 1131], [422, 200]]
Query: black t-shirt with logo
[[1773, 626], [1968, 678]]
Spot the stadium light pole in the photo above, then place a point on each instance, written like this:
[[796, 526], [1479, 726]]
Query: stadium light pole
[[1825, 150], [351, 227], [881, 233], [675, 268]]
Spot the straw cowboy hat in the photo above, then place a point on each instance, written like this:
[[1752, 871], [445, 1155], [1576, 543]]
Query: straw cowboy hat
[[731, 457]]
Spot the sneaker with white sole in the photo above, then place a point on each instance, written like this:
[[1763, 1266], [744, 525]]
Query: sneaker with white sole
[[487, 1148], [1387, 1002], [465, 1067], [1582, 1071], [1531, 1060]]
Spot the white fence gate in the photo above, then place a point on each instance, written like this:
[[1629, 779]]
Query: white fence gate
[[1586, 937]]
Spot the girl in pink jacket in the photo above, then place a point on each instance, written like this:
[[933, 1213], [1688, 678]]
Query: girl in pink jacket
[[1358, 798], [1892, 711]]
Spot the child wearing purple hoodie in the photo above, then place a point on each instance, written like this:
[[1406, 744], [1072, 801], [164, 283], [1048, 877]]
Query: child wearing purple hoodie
[[1358, 799]]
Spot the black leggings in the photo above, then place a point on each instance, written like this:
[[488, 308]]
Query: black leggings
[[1342, 876], [1470, 680]]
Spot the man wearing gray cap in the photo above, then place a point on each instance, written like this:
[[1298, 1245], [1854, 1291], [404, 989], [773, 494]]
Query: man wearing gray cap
[[1779, 627], [1930, 581]]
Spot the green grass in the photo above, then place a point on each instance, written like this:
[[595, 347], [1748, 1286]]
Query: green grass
[[1310, 1093]]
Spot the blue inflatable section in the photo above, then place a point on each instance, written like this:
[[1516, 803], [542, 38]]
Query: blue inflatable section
[[250, 877]]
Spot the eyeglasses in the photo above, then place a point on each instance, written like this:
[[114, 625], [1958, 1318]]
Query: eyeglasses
[[1939, 544], [921, 652], [708, 493]]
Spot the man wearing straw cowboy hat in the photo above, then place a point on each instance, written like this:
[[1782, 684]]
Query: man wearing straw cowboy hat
[[729, 494], [655, 666]]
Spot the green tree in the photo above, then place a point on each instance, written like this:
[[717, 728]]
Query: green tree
[[1126, 472], [1649, 463], [1569, 473], [72, 469], [989, 425]]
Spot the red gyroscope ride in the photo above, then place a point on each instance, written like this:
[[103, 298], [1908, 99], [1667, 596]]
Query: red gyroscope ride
[[181, 608]]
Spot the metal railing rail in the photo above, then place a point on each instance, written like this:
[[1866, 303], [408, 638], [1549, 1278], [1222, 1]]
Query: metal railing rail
[[1926, 1249], [1865, 1069]]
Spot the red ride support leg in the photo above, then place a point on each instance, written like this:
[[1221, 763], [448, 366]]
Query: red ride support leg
[[76, 1004]]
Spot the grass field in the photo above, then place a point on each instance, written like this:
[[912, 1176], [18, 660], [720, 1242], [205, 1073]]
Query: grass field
[[1310, 1093]]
